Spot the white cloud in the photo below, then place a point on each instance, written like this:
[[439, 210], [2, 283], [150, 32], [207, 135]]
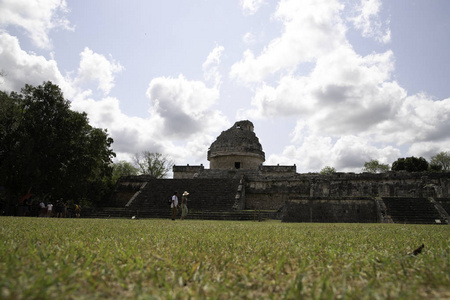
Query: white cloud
[[36, 17], [211, 66], [184, 106], [248, 38], [129, 133], [349, 108], [250, 7], [418, 120], [180, 119], [22, 68], [28, 68], [311, 29], [96, 67], [342, 95], [346, 154], [366, 19], [133, 134], [349, 153], [177, 103]]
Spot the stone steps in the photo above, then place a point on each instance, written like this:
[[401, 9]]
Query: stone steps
[[209, 199], [204, 194], [412, 211], [445, 203], [127, 213]]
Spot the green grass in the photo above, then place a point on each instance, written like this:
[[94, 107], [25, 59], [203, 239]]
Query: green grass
[[162, 259]]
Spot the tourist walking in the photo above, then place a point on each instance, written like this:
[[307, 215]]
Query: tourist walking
[[174, 205], [184, 208]]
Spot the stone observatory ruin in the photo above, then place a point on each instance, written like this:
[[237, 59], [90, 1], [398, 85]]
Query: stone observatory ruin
[[238, 186], [236, 148]]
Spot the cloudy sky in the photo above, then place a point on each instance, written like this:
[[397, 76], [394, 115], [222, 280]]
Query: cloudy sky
[[325, 82]]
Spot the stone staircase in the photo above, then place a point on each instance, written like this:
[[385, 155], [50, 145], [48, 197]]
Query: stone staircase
[[204, 194], [445, 204], [412, 211], [126, 213], [209, 199]]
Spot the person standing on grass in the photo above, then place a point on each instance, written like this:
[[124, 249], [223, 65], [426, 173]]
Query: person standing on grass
[[77, 210], [184, 208], [42, 209], [59, 208], [49, 210], [174, 205]]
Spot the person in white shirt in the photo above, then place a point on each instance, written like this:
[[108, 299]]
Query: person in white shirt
[[174, 205], [49, 209], [42, 209]]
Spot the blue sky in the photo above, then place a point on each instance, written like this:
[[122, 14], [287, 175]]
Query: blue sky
[[325, 82]]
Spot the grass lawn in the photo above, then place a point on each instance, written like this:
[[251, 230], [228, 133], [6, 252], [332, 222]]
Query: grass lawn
[[160, 259]]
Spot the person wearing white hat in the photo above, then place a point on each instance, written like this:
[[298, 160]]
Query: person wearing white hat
[[184, 208]]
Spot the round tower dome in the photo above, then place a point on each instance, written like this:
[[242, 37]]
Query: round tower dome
[[236, 148]]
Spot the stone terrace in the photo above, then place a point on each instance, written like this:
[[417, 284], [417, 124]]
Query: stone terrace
[[413, 211], [207, 198]]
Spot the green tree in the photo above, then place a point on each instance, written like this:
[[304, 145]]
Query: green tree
[[49, 149], [327, 170], [441, 161], [410, 164], [154, 164], [123, 168], [374, 166]]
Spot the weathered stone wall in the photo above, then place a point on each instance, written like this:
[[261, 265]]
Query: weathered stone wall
[[277, 170], [239, 144], [266, 201], [229, 162], [125, 189], [270, 191], [342, 197], [269, 194], [184, 172], [331, 211]]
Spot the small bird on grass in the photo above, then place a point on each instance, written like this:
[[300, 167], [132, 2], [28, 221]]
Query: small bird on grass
[[417, 251]]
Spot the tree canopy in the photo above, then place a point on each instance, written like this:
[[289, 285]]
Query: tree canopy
[[46, 148], [154, 164], [410, 164], [327, 170], [441, 161], [123, 168], [374, 166]]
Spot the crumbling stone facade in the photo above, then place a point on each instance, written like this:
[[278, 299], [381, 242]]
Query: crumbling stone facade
[[236, 148], [345, 197], [238, 183]]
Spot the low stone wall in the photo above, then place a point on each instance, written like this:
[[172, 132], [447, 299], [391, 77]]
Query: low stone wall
[[392, 184], [331, 211], [183, 172], [266, 201], [277, 170]]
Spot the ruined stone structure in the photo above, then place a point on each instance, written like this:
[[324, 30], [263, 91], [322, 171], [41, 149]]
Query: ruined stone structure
[[236, 148], [238, 185]]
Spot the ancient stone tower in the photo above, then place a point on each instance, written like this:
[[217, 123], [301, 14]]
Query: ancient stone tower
[[236, 148]]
